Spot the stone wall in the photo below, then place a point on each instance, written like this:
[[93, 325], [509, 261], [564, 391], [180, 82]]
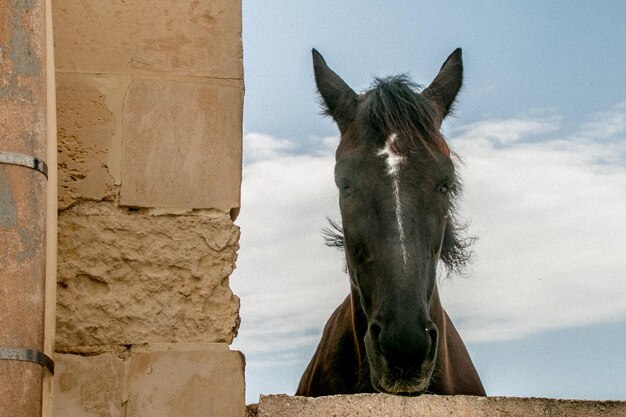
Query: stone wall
[[149, 109]]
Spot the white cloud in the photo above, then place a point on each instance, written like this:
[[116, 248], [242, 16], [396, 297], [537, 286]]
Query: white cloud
[[551, 223], [548, 209], [260, 147], [507, 132], [610, 124], [288, 281]]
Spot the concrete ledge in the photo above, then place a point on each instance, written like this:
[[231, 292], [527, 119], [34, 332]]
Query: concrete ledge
[[378, 405]]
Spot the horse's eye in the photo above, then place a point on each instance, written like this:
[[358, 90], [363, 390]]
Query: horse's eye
[[444, 189], [346, 189]]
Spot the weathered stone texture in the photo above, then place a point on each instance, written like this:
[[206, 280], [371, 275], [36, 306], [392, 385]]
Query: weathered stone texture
[[375, 405], [89, 114], [150, 100], [181, 37], [89, 386], [184, 379], [182, 144], [116, 130], [186, 382], [129, 277]]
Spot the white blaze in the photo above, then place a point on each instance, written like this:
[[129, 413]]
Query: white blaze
[[394, 161]]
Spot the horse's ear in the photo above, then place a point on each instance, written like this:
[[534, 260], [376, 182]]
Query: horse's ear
[[339, 98], [447, 83]]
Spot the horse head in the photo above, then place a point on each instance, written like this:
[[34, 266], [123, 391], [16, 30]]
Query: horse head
[[396, 184]]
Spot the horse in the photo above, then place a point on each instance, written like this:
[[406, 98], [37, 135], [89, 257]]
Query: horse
[[397, 192]]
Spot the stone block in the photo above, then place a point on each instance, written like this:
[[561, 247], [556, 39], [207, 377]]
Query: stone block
[[182, 37], [375, 405], [182, 144], [188, 380], [127, 277], [88, 386], [89, 120]]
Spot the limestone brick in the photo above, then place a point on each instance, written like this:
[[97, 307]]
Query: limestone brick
[[88, 386], [180, 379], [89, 120], [186, 381], [374, 405], [102, 117], [174, 157], [127, 277], [180, 37]]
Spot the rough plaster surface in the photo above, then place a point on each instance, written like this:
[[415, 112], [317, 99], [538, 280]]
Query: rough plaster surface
[[22, 273], [127, 277], [185, 379], [23, 126], [181, 37], [23, 77], [382, 405]]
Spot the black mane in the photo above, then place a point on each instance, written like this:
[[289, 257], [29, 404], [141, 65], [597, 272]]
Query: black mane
[[395, 105]]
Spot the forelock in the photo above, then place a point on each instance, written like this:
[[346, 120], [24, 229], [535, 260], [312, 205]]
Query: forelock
[[394, 105]]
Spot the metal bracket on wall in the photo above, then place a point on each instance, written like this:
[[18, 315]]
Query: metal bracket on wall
[[27, 355], [31, 162]]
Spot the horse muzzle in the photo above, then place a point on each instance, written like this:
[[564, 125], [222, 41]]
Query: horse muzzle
[[401, 360]]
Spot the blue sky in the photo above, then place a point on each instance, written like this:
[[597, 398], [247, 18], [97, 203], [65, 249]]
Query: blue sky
[[541, 128]]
